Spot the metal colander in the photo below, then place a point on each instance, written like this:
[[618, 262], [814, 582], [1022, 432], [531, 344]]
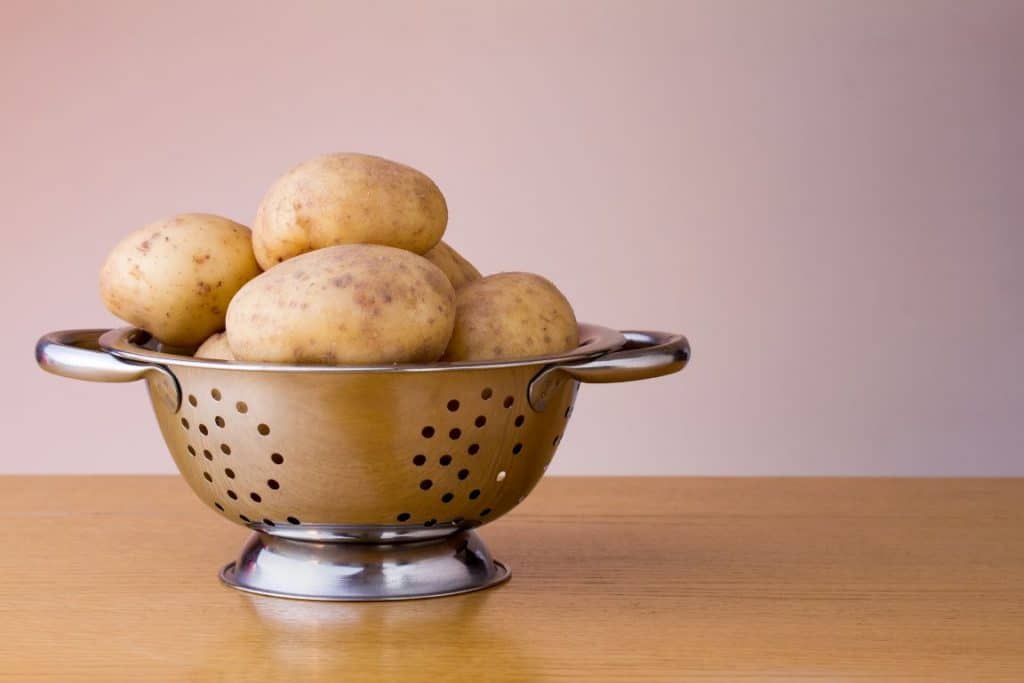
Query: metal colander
[[362, 482]]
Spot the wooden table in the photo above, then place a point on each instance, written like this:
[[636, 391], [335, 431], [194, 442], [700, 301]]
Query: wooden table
[[624, 579]]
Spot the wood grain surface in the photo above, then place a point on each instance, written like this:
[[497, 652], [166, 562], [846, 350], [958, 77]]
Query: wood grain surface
[[618, 579]]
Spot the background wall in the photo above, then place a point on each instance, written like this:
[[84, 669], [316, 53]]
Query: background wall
[[825, 196]]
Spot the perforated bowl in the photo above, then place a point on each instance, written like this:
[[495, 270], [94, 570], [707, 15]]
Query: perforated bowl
[[362, 482]]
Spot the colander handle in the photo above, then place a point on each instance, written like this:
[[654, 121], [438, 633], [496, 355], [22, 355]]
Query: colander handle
[[644, 355], [78, 355]]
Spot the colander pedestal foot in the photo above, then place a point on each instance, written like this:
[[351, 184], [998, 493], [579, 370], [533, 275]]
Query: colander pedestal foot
[[308, 570]]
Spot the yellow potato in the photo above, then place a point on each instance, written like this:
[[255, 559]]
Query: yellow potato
[[355, 303], [174, 278], [348, 199], [457, 269], [511, 315], [215, 348]]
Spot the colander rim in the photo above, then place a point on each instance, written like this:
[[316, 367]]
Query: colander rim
[[595, 340]]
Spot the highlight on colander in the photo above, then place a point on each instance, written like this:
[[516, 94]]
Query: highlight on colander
[[347, 385]]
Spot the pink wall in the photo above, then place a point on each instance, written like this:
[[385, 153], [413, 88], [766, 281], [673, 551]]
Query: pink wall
[[826, 196]]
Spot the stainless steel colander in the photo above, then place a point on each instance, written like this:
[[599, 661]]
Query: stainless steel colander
[[362, 482]]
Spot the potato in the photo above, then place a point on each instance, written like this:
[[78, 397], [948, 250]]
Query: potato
[[215, 348], [511, 315], [174, 278], [355, 303], [458, 270], [348, 199]]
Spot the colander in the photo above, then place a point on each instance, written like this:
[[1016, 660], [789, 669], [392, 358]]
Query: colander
[[362, 482]]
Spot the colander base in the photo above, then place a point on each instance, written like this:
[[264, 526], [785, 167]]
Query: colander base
[[306, 570]]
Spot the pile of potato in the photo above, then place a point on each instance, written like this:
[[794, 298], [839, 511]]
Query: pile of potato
[[344, 265]]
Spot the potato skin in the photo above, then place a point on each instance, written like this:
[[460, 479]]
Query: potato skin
[[348, 199], [456, 268], [355, 303], [215, 348], [175, 277], [511, 315]]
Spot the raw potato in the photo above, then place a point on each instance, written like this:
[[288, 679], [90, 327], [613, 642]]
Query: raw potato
[[356, 303], [174, 278], [511, 315], [215, 348], [348, 199], [457, 269]]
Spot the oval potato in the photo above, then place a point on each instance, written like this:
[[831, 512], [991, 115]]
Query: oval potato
[[511, 315], [215, 348], [357, 303], [175, 277], [348, 199], [456, 268]]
